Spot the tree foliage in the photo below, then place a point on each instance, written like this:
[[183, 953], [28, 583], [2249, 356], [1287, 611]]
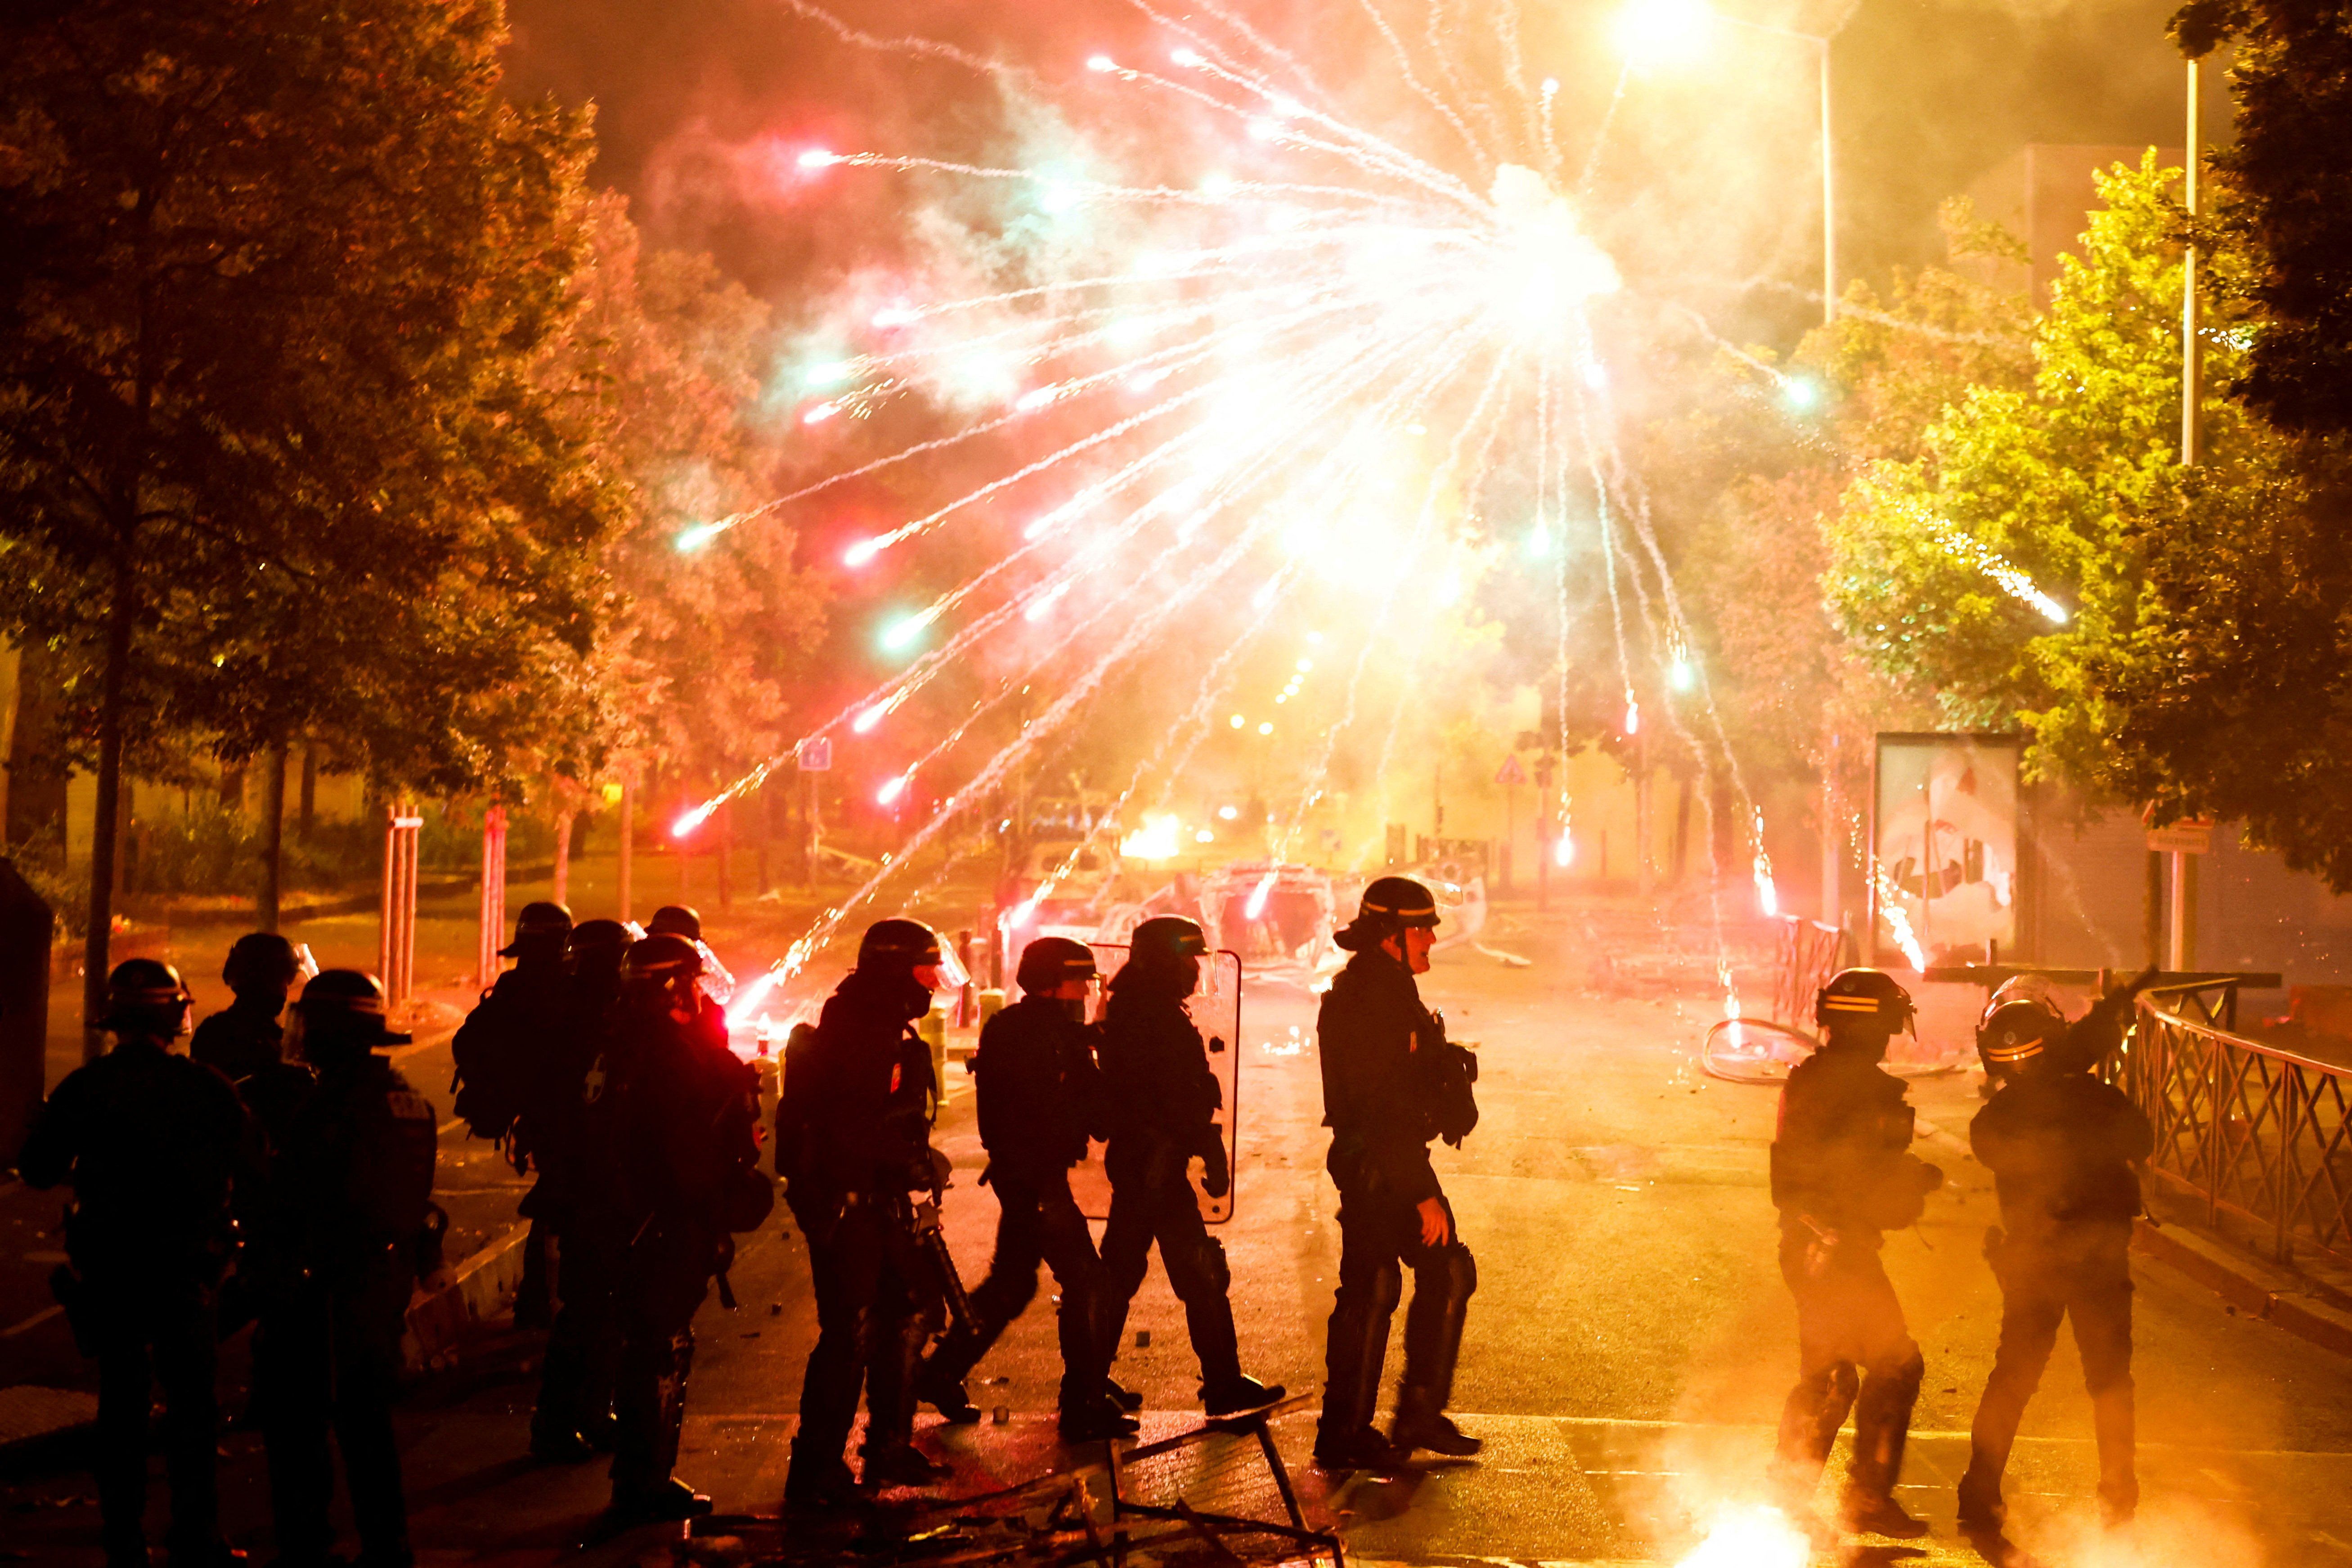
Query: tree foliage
[[266, 375], [1994, 569], [2286, 197]]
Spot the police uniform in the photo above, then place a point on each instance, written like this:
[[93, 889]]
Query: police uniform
[[1842, 1177], [1388, 1073], [854, 1139], [151, 1143], [574, 1418], [1162, 1101], [673, 1124], [2061, 1145], [1039, 1099], [244, 1038], [518, 1065], [350, 1215]]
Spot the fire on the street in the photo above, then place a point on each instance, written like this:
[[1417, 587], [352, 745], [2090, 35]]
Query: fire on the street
[[1752, 1535]]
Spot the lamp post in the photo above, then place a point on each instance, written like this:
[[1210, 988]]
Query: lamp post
[[1654, 32]]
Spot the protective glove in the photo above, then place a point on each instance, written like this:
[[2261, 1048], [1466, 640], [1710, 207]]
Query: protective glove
[[1216, 1171], [2120, 997]]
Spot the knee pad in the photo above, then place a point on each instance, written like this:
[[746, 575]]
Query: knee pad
[[1902, 1377], [1214, 1271], [1461, 1272], [1387, 1288], [1839, 1382]]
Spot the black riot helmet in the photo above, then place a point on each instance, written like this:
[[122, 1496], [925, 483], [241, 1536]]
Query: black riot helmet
[[597, 946], [1861, 1007], [1164, 954], [342, 1010], [263, 962], [541, 930], [898, 946], [2021, 1029], [676, 920], [666, 959], [1051, 962], [146, 997], [1390, 905]]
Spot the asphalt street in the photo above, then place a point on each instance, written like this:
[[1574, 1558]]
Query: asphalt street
[[1627, 1353]]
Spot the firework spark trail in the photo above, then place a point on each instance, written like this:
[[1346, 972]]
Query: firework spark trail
[[1216, 682], [1085, 443], [1601, 135], [1358, 147], [1515, 73], [1195, 586], [1552, 152], [1104, 190], [1414, 81], [941, 443], [1139, 636], [1458, 247], [1476, 103], [1144, 582], [913, 47], [1264, 46], [1438, 480], [891, 694]]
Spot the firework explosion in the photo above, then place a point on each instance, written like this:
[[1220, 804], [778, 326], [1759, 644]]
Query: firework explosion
[[1296, 392]]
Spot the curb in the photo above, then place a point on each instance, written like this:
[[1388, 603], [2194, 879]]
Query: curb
[[2258, 1290], [440, 1325]]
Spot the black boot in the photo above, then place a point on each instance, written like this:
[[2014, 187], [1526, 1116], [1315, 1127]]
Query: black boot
[[1881, 1426], [670, 1500], [817, 1479], [1124, 1398], [1433, 1345], [1094, 1420], [1417, 1427], [1238, 1396], [1356, 1448]]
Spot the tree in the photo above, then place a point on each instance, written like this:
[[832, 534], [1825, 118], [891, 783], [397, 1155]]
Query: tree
[[2005, 568], [2286, 197], [697, 665], [270, 456]]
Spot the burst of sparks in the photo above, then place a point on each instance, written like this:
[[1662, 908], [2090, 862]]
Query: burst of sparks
[[1294, 375]]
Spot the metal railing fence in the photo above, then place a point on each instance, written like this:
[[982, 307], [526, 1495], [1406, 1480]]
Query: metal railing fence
[[2264, 1135]]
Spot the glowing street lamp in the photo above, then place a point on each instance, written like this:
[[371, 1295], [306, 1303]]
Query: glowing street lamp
[[1657, 33]]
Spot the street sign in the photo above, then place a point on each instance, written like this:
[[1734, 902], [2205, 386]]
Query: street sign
[[1511, 772], [815, 755], [2189, 835]]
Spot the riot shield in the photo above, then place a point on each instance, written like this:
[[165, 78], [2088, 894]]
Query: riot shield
[[1216, 1009]]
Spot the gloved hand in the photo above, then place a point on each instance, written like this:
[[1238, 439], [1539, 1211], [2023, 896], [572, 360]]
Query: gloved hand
[[929, 1172], [2121, 996], [1216, 1171]]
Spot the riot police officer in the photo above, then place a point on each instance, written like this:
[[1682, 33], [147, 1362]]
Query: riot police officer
[[1391, 1081], [671, 1128], [2061, 1145], [244, 1037], [1040, 1099], [854, 1139], [509, 1054], [686, 920], [1162, 1101], [151, 1143], [574, 1418], [349, 1227], [1843, 1175]]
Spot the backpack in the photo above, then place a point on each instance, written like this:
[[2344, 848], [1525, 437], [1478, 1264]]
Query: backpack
[[493, 1069]]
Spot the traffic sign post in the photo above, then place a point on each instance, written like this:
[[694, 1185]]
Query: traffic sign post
[[1510, 777]]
